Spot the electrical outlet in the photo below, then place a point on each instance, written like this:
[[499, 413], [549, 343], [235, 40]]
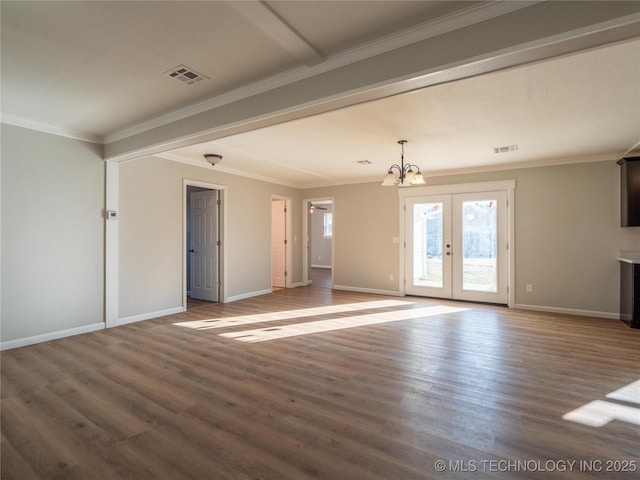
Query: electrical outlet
[[391, 277], [529, 288]]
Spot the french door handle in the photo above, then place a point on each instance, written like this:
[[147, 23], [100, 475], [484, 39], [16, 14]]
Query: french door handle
[[448, 253], [191, 250]]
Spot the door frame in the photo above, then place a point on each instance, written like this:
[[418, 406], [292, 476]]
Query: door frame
[[306, 247], [288, 255], [504, 185], [222, 221]]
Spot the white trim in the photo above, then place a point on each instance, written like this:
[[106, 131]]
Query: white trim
[[242, 296], [150, 315], [374, 291], [46, 337], [569, 311], [111, 245], [511, 228], [223, 250], [53, 130], [544, 162], [321, 266]]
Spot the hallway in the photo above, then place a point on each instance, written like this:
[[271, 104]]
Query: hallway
[[320, 277]]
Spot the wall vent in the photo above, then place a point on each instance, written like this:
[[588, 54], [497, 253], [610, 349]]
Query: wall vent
[[505, 149], [185, 75]]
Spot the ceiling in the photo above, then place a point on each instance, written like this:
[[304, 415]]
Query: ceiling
[[96, 70]]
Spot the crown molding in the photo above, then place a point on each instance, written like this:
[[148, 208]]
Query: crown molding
[[547, 162], [540, 163], [221, 168], [445, 24], [240, 173], [53, 130]]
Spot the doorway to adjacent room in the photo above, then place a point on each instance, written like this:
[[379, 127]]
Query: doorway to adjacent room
[[203, 270]]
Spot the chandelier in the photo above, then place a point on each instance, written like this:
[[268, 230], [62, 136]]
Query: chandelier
[[406, 175]]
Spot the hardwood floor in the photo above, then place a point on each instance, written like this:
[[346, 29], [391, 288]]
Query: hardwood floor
[[320, 277], [483, 389]]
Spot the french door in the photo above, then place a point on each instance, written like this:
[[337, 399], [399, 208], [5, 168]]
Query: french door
[[456, 246]]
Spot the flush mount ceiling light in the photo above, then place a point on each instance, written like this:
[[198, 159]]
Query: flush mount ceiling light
[[406, 175], [212, 158]]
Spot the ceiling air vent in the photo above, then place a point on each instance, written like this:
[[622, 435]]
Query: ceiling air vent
[[362, 162], [505, 149], [185, 75]]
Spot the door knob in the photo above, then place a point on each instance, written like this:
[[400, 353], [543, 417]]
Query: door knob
[[448, 245], [191, 250], [448, 253]]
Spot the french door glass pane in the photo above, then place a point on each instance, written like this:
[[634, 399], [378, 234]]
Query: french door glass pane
[[479, 246], [427, 245]]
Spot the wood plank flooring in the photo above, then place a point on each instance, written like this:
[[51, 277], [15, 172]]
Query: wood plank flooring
[[483, 389]]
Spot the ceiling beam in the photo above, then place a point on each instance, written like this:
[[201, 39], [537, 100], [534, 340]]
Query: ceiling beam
[[267, 20], [536, 33]]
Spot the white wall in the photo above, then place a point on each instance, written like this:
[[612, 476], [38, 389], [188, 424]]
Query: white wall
[[567, 235], [365, 221], [52, 236], [150, 246]]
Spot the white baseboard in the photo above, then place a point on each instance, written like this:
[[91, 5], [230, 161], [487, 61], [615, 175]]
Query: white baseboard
[[46, 337], [569, 311], [298, 284], [321, 266], [248, 295], [150, 315], [393, 293]]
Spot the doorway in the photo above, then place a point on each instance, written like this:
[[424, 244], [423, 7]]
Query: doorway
[[280, 242], [457, 246], [203, 219], [318, 222]]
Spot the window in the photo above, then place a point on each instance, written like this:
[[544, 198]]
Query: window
[[328, 225]]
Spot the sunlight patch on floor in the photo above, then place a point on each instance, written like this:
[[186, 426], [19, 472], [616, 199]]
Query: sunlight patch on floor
[[289, 314], [306, 328], [599, 413], [629, 393]]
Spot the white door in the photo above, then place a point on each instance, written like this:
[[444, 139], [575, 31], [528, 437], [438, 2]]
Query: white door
[[428, 249], [204, 245], [457, 246], [278, 243]]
